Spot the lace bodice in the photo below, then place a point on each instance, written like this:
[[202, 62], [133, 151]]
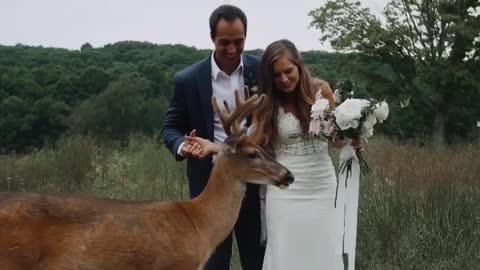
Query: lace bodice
[[291, 140]]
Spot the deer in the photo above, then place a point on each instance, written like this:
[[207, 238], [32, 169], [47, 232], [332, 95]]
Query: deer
[[60, 231]]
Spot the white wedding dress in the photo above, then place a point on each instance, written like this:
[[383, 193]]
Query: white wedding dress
[[302, 223]]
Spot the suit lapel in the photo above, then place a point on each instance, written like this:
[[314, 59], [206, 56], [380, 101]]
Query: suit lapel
[[204, 82], [250, 73], [247, 70], [249, 77]]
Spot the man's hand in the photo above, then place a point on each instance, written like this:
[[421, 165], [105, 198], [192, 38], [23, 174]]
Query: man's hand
[[187, 147], [202, 148]]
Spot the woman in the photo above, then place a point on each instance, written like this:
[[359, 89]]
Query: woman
[[303, 230]]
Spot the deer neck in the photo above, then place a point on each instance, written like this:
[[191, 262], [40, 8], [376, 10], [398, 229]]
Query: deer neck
[[218, 206]]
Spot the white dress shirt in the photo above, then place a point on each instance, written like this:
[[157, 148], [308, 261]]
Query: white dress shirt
[[223, 87]]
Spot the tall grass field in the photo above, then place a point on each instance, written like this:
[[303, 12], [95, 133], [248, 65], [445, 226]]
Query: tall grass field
[[420, 209]]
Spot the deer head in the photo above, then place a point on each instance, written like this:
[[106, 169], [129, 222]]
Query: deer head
[[248, 161]]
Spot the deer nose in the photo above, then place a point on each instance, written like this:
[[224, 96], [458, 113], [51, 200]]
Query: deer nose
[[290, 177]]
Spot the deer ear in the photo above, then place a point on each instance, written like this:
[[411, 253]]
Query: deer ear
[[234, 140]]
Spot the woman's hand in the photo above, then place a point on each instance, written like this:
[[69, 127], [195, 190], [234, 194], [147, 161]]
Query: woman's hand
[[358, 145], [202, 148]]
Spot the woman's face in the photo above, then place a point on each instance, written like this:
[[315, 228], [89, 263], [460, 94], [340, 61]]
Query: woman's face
[[285, 75]]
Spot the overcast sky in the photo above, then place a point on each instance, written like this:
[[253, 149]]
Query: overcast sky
[[71, 23]]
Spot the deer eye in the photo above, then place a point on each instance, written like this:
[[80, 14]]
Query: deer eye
[[253, 155]]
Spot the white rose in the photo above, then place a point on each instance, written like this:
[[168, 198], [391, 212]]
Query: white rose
[[371, 119], [337, 96], [349, 112], [381, 111], [367, 130]]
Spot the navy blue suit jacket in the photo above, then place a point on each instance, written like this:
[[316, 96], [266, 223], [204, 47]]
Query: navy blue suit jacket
[[191, 108]]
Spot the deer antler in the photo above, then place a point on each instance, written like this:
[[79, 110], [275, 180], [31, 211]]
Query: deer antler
[[231, 119]]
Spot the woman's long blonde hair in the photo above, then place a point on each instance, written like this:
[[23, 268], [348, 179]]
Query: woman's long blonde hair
[[266, 117]]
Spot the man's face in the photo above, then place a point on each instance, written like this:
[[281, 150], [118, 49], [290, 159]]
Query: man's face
[[229, 42]]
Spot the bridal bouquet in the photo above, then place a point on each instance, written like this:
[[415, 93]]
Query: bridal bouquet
[[352, 119]]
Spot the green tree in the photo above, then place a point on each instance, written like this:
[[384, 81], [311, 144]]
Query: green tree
[[47, 75], [122, 108], [26, 123], [432, 46], [93, 80], [12, 110], [67, 89], [86, 46], [46, 120]]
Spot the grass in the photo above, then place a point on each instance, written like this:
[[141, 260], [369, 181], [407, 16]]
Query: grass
[[420, 209]]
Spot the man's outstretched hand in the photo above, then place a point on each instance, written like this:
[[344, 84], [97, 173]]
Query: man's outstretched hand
[[201, 148], [188, 147]]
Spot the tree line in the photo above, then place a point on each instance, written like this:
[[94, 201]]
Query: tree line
[[126, 87]]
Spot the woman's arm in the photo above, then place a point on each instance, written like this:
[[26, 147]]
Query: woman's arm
[[323, 88]]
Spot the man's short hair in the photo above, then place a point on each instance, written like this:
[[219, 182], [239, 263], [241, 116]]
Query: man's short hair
[[229, 13]]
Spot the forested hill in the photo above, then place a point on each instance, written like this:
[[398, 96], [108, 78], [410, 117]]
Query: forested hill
[[113, 90], [126, 87]]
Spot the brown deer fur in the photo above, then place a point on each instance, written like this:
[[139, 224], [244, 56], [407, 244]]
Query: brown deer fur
[[74, 232]]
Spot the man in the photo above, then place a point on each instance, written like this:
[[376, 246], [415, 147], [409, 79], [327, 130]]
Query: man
[[226, 70]]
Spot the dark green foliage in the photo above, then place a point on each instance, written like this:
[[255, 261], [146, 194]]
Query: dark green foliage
[[126, 87], [126, 105], [431, 49], [86, 46], [120, 88]]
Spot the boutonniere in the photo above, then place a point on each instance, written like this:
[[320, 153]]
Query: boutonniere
[[251, 84]]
